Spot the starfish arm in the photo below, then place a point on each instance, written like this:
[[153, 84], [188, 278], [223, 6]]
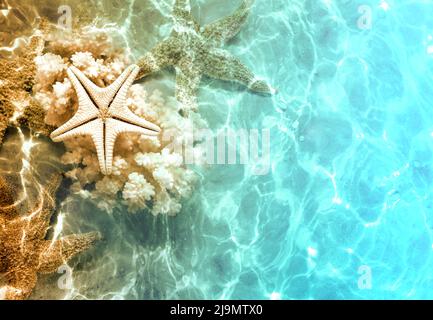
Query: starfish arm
[[187, 82], [102, 96], [86, 109], [124, 80], [4, 252], [8, 206], [122, 91], [120, 110], [4, 121], [115, 127], [228, 27], [158, 58], [20, 283], [181, 7], [56, 253], [182, 17], [222, 65], [40, 217], [125, 114], [95, 129]]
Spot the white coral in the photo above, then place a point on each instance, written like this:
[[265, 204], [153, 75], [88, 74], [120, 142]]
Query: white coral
[[86, 62], [164, 177], [164, 204], [146, 170], [139, 104], [119, 166], [62, 97], [49, 68], [137, 191]]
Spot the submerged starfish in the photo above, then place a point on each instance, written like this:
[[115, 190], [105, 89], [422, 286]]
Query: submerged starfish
[[103, 115], [17, 79], [195, 52], [24, 251], [17, 105]]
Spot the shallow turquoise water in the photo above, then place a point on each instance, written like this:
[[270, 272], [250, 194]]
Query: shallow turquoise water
[[351, 172]]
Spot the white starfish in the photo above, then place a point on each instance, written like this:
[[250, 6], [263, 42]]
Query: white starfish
[[103, 114]]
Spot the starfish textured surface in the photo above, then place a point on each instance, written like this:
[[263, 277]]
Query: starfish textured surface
[[103, 114], [195, 52], [24, 251], [16, 83]]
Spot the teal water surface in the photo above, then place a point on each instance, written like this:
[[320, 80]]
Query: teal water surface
[[346, 209]]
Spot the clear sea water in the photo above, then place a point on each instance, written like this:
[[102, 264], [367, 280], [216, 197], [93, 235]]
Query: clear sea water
[[346, 210]]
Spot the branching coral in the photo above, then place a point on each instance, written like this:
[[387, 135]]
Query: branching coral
[[157, 187], [195, 52], [24, 252]]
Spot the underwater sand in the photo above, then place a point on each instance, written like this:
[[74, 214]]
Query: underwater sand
[[351, 172]]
